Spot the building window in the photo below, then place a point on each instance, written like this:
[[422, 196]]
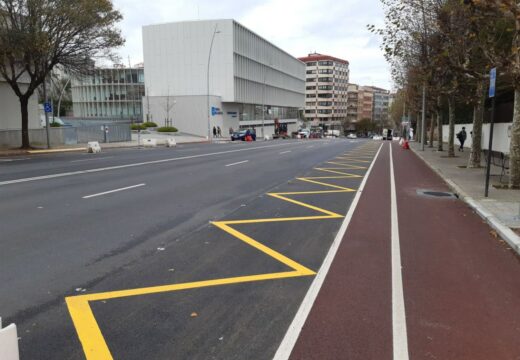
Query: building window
[[325, 63], [311, 80], [311, 88], [325, 79], [325, 87], [311, 71], [312, 63], [326, 71]]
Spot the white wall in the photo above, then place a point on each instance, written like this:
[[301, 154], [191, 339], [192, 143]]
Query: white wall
[[176, 58], [188, 115], [501, 136], [10, 113]]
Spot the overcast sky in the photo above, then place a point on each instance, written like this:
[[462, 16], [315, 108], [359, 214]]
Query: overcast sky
[[332, 27]]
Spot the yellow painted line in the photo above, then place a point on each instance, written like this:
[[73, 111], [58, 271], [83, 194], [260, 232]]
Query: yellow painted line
[[55, 150], [87, 328], [330, 213]]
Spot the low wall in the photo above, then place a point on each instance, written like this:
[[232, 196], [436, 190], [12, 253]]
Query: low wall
[[67, 135], [501, 135]]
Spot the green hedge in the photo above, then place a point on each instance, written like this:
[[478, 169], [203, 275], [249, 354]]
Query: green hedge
[[137, 127], [167, 129], [54, 124], [149, 124]]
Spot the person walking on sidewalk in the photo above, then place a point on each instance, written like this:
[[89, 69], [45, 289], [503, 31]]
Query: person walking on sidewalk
[[462, 137], [214, 131], [219, 132]]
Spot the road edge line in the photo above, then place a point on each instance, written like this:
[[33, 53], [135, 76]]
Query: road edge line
[[293, 332], [399, 331]]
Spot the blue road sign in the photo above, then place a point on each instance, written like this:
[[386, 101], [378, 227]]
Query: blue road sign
[[47, 107], [492, 82], [213, 111]]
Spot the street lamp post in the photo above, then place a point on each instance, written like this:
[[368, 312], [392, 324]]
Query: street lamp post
[[207, 75]]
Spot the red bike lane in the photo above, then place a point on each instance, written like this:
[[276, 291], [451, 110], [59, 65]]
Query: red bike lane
[[461, 285]]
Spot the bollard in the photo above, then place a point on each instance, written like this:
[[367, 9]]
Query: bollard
[[8, 342]]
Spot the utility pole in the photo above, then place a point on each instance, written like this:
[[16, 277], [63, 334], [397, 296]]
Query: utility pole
[[207, 76]]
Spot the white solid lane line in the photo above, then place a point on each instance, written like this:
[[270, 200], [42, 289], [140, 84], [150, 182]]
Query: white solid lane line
[[97, 158], [113, 191], [10, 160], [289, 340], [400, 337], [116, 167], [240, 162], [285, 152]]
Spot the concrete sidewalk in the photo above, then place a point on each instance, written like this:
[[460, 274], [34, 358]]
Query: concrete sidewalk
[[180, 138], [501, 209]]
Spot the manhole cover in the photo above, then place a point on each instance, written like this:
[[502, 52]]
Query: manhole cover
[[436, 194]]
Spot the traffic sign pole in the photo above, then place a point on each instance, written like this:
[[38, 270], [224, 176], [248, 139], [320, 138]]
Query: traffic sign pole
[[492, 85], [46, 114]]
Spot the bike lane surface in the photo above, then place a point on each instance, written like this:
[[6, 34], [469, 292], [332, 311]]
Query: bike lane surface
[[461, 284]]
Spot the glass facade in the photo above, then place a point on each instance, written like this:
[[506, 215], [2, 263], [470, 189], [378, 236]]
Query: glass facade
[[254, 112], [109, 93]]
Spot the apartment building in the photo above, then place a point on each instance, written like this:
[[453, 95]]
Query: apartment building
[[352, 103], [365, 103], [114, 93], [245, 80], [326, 90], [381, 105]]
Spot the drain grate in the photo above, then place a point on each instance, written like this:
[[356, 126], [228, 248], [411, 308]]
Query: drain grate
[[436, 194]]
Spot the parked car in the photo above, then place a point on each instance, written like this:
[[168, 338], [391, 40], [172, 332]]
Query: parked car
[[241, 135], [304, 133], [352, 136]]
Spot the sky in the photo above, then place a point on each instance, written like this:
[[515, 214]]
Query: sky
[[332, 27]]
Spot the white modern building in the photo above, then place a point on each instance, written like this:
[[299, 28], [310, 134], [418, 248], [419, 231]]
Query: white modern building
[[251, 81]]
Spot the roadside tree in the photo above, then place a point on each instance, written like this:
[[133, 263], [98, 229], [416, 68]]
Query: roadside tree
[[38, 35]]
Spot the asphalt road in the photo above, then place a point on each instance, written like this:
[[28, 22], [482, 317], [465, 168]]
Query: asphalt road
[[76, 225]]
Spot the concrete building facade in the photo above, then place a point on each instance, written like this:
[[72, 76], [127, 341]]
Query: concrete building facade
[[326, 90], [109, 93], [11, 114], [250, 80], [352, 103], [365, 103]]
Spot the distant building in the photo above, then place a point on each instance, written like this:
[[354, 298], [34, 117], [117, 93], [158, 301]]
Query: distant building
[[352, 103], [109, 93], [251, 81], [326, 90], [365, 103], [381, 105]]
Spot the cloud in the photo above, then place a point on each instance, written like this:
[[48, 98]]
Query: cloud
[[337, 28]]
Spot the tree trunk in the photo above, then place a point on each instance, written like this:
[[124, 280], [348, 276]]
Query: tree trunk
[[419, 131], [438, 111], [24, 106], [451, 134], [478, 117], [432, 131], [514, 149]]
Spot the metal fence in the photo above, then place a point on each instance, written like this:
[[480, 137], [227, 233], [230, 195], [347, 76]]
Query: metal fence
[[68, 135]]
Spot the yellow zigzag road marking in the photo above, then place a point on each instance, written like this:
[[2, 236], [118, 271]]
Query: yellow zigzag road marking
[[88, 330]]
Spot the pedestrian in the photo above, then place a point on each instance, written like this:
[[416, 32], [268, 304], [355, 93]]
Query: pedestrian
[[214, 131], [219, 132], [230, 131], [461, 136]]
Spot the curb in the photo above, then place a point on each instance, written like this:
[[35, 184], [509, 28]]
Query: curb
[[505, 232]]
